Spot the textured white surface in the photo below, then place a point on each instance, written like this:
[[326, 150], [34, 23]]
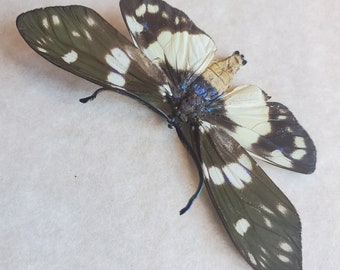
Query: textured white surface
[[99, 186]]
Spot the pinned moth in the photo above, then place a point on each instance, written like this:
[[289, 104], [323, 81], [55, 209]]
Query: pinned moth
[[170, 67]]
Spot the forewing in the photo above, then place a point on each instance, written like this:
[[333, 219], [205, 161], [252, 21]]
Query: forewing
[[260, 220], [267, 130], [78, 40], [168, 37]]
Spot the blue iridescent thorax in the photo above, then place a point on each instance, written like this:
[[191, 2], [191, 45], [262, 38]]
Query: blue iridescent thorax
[[195, 100]]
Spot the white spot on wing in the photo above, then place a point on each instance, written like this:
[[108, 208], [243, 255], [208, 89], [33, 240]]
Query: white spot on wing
[[283, 258], [153, 8], [265, 208], [134, 26], [286, 247], [165, 90], [299, 142], [140, 11], [282, 209], [267, 222], [299, 154], [87, 34], [55, 20], [118, 60], [252, 259], [277, 157], [264, 251], [216, 175], [70, 57], [205, 171], [245, 136], [75, 34], [245, 161], [236, 175], [176, 20], [233, 179], [41, 49], [242, 226], [45, 23], [116, 79], [90, 21], [162, 91], [289, 129], [205, 127], [165, 15]]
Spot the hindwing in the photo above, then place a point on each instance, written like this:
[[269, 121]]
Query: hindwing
[[261, 221], [268, 130]]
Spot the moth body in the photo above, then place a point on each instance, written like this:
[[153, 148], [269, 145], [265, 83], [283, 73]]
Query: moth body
[[220, 72], [169, 67]]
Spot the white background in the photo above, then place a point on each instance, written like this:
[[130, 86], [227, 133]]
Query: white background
[[99, 186]]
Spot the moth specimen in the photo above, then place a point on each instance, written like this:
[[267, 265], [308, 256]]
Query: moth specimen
[[170, 67]]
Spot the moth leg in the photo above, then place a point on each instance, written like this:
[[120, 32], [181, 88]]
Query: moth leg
[[220, 72], [193, 197]]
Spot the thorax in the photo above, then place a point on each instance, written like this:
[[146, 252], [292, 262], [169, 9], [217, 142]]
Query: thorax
[[195, 100]]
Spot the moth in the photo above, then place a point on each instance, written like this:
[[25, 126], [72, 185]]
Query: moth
[[170, 67]]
